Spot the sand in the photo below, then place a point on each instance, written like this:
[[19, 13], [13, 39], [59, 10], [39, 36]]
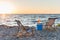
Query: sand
[[7, 34]]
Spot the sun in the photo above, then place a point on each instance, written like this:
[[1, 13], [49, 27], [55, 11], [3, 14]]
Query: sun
[[6, 7]]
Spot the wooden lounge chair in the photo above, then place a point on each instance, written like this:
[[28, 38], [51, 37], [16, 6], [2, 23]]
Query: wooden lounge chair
[[50, 23], [23, 30]]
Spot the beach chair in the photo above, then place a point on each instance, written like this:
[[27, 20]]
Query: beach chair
[[24, 30], [50, 23]]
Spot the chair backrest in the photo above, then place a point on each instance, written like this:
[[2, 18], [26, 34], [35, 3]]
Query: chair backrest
[[18, 22], [50, 21], [21, 27]]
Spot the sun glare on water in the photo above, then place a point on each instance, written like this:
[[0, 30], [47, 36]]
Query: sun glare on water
[[6, 7]]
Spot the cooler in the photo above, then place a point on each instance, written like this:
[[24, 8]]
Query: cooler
[[39, 26]]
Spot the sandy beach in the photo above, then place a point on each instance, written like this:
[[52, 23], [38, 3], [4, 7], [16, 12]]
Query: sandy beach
[[7, 34]]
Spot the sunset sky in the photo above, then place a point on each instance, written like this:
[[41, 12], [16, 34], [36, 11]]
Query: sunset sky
[[29, 6]]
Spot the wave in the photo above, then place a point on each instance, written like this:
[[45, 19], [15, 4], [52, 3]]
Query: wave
[[27, 19]]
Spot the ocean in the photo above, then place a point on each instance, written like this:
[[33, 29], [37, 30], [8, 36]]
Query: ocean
[[27, 19]]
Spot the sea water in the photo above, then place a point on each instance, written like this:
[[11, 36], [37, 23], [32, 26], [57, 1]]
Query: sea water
[[27, 19]]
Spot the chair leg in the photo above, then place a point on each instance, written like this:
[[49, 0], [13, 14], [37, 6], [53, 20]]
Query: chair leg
[[20, 34]]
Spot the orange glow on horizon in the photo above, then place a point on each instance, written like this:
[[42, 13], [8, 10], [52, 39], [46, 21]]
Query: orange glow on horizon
[[37, 11]]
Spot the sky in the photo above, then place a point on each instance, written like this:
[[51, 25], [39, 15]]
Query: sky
[[35, 6]]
